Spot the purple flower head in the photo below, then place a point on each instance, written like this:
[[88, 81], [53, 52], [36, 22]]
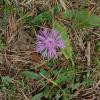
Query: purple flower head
[[48, 41]]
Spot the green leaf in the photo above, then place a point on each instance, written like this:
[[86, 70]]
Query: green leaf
[[30, 74], [44, 72], [82, 18], [38, 96], [6, 80], [68, 50], [45, 16]]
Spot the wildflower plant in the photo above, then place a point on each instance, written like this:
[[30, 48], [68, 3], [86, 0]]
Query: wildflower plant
[[48, 42]]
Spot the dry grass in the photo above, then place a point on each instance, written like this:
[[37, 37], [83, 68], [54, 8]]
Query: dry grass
[[19, 53]]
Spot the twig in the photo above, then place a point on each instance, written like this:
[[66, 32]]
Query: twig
[[88, 54], [49, 80], [97, 84], [26, 98], [63, 4]]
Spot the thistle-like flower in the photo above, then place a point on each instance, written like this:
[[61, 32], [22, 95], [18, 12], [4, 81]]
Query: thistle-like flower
[[48, 42]]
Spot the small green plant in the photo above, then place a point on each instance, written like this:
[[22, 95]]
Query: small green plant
[[6, 81]]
